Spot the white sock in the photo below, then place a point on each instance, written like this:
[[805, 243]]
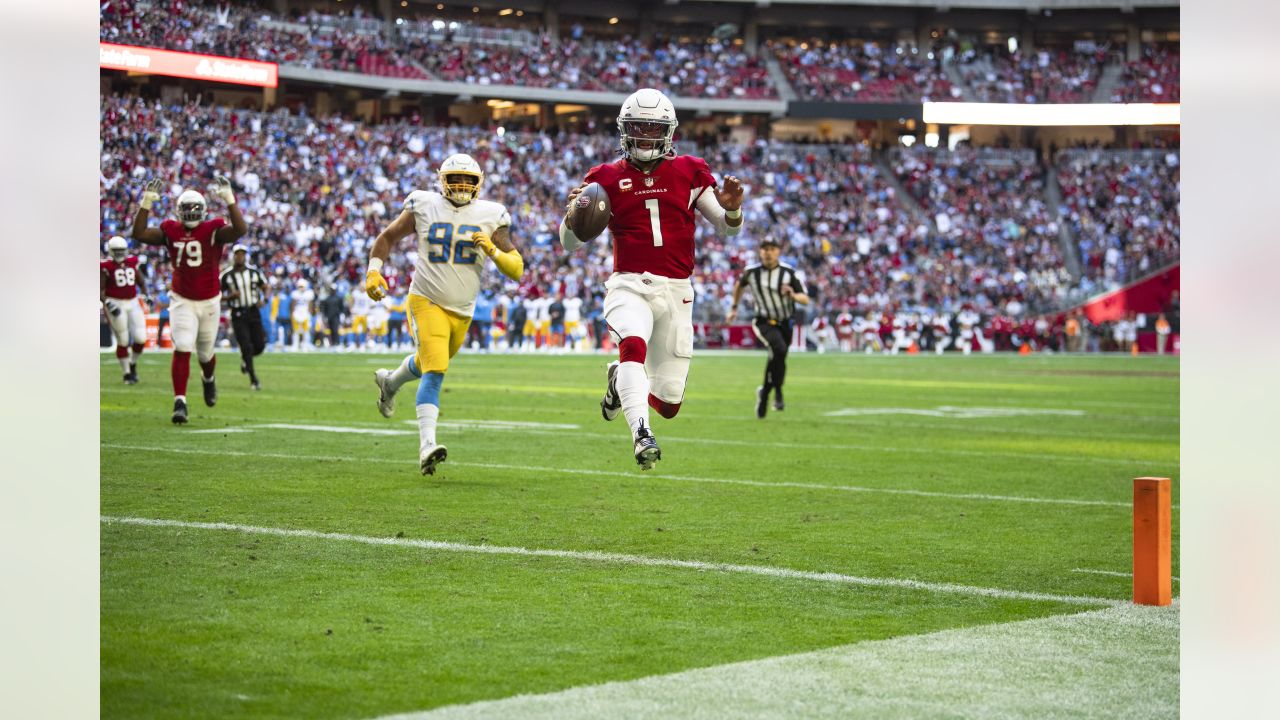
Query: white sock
[[124, 363], [427, 415], [633, 390], [183, 398], [400, 376]]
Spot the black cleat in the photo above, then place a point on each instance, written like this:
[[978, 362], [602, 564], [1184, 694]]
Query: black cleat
[[647, 451], [179, 411], [255, 385], [777, 401], [128, 379], [133, 373], [611, 403], [210, 392], [762, 402]]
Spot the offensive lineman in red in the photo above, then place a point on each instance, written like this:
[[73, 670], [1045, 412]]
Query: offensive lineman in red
[[649, 303], [119, 278], [195, 250]]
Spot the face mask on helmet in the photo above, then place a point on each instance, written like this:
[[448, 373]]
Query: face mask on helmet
[[646, 140], [460, 187], [118, 248], [191, 208]]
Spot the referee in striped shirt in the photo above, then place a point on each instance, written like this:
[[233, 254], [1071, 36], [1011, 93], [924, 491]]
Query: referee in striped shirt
[[244, 291], [776, 289]]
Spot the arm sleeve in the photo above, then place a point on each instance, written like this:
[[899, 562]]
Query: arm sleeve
[[711, 210], [797, 284], [742, 279], [222, 281]]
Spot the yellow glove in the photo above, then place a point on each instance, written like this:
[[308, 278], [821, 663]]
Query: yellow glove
[[375, 285], [485, 244]]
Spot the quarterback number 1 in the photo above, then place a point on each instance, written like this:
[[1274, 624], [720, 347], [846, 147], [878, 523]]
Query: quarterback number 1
[[654, 223]]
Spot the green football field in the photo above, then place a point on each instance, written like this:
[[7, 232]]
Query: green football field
[[913, 536]]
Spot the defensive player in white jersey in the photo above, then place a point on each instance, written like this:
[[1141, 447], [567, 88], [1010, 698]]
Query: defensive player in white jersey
[[304, 300], [453, 228], [360, 307]]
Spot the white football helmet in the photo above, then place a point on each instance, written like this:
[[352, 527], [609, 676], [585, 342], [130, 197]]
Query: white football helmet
[[192, 208], [118, 248], [460, 178], [646, 123]]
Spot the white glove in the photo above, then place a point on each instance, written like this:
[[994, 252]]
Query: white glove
[[222, 188], [151, 194]]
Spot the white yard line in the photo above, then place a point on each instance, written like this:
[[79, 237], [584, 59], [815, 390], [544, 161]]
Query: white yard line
[[625, 559], [1117, 662], [637, 476], [1108, 572]]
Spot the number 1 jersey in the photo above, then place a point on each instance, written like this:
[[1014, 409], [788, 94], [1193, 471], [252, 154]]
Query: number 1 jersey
[[449, 265], [653, 214]]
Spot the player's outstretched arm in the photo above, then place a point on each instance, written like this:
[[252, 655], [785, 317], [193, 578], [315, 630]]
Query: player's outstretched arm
[[374, 284], [724, 208], [238, 228], [737, 298], [500, 248], [140, 232]]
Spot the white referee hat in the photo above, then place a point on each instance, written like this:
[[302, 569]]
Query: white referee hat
[[238, 247]]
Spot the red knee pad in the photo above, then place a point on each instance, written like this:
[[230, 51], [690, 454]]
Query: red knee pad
[[632, 349], [664, 408], [122, 351], [137, 348]]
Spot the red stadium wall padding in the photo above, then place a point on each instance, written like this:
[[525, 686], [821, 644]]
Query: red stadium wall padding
[[1149, 295], [1147, 343]]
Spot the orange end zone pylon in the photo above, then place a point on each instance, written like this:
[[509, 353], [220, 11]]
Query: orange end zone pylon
[[1152, 533]]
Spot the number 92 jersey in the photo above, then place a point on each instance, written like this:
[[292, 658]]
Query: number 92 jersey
[[653, 223], [449, 265]]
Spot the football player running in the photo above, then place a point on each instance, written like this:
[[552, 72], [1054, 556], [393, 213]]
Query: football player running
[[649, 302], [452, 227], [195, 243], [120, 276]]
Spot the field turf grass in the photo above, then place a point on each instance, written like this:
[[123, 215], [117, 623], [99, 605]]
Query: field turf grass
[[200, 621]]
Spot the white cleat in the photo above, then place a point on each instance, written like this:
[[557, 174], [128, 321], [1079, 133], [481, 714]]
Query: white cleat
[[386, 399], [647, 452], [431, 457]]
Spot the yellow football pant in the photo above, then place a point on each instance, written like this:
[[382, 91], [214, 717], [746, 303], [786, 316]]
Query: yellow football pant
[[437, 334]]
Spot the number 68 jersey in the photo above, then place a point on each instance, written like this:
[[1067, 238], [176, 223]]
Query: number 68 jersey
[[195, 255], [449, 265]]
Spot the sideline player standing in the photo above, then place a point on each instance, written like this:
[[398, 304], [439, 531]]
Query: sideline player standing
[[119, 279], [649, 304], [776, 289], [451, 226], [195, 249]]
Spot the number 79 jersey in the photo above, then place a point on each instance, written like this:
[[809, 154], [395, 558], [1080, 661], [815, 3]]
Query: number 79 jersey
[[449, 265], [653, 214], [195, 255]]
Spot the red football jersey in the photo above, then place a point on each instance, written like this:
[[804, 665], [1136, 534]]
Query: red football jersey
[[122, 278], [195, 257], [653, 215]]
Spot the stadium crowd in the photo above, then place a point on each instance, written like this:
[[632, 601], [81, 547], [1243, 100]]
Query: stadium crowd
[[427, 47], [315, 191], [1123, 208], [862, 71], [1044, 75]]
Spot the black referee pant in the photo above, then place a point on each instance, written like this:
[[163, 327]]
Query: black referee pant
[[246, 323], [776, 337]]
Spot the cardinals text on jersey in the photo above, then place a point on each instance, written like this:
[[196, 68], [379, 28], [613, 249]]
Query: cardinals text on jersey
[[195, 256], [653, 213], [449, 266], [122, 277]]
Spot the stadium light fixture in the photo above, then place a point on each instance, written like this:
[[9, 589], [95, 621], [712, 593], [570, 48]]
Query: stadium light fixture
[[613, 21], [1074, 115], [505, 12]]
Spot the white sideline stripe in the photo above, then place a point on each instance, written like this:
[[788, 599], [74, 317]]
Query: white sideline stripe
[[1109, 572], [625, 559], [634, 476], [745, 443], [219, 431], [1115, 662], [956, 413]]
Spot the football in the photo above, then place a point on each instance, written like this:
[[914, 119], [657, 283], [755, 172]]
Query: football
[[590, 213]]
